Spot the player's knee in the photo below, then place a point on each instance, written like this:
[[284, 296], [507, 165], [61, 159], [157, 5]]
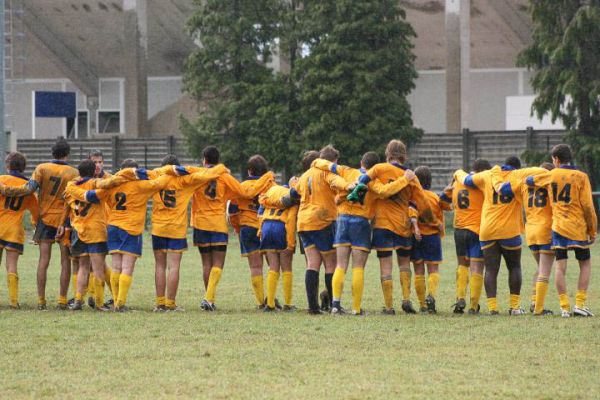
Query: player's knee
[[561, 254], [582, 254], [383, 253]]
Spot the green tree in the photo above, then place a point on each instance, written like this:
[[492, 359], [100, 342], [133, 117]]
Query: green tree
[[356, 76], [565, 55]]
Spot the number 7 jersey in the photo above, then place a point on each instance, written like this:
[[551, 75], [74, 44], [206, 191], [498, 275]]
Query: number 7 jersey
[[52, 178]]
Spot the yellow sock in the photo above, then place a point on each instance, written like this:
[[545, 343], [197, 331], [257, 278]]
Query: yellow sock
[[62, 300], [420, 289], [258, 287], [74, 283], [541, 288], [99, 292], [405, 284], [107, 274], [272, 280], [13, 289], [515, 301], [492, 304], [476, 286], [358, 286], [78, 296], [387, 286], [563, 300], [170, 303], [433, 282], [339, 276], [580, 298], [41, 300], [161, 301], [533, 294], [213, 281], [114, 284], [287, 287], [462, 280], [124, 285]]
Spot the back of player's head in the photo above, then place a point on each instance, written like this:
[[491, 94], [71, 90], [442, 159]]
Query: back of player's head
[[513, 161], [171, 159], [16, 161], [308, 157], [424, 174], [211, 155], [129, 163], [563, 153], [257, 165], [396, 151], [547, 165], [369, 159], [329, 153], [86, 168], [96, 153], [481, 165], [61, 148]]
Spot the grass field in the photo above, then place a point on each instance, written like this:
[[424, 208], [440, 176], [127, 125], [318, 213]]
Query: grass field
[[239, 352]]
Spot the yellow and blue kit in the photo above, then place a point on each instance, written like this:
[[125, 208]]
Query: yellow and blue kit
[[12, 234]]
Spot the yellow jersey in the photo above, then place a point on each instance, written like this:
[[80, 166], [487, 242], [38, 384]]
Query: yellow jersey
[[467, 203], [88, 219], [437, 207], [52, 178], [247, 208], [13, 209], [273, 209]]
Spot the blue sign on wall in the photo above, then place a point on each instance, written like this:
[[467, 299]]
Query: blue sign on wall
[[55, 104]]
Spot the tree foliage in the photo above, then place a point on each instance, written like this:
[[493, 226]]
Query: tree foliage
[[565, 55]]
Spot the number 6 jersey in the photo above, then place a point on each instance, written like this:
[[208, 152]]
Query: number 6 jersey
[[467, 203]]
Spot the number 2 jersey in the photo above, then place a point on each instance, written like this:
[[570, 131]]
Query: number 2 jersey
[[13, 209]]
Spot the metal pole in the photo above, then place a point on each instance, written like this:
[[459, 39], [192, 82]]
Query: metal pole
[[2, 83]]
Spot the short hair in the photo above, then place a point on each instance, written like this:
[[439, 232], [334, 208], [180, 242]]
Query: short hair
[[369, 159], [16, 161], [481, 165], [129, 163], [60, 148], [513, 161], [171, 159], [211, 155], [329, 153], [547, 165], [86, 168], [96, 153], [562, 152], [424, 174], [308, 157], [396, 150], [257, 165]]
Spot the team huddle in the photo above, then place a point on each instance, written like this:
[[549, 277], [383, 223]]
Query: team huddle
[[339, 214]]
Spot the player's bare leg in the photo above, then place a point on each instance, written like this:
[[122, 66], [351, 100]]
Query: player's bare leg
[[386, 265], [404, 266], [585, 270], [74, 273], [420, 284], [82, 282], [207, 263], [492, 258], [329, 262], [65, 272], [476, 269], [313, 265], [160, 279], [42, 272], [98, 265], [286, 258], [117, 261], [12, 258], [536, 256], [512, 258], [125, 279], [255, 263], [173, 264]]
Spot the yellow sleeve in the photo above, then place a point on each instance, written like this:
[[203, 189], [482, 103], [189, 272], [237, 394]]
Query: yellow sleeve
[[587, 204], [418, 198], [16, 191], [383, 191], [322, 164], [248, 192], [203, 176], [539, 180], [336, 182], [33, 207], [154, 185]]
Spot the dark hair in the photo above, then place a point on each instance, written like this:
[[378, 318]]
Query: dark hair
[[424, 175], [369, 159], [171, 159], [481, 165], [16, 161], [513, 161], [129, 163], [547, 165], [211, 155], [562, 152], [308, 157], [86, 168], [61, 148], [329, 153], [96, 153], [257, 165]]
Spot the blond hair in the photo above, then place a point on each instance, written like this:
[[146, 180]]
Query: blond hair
[[396, 150]]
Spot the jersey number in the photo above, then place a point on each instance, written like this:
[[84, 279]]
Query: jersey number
[[254, 205], [82, 208], [504, 199], [564, 195], [168, 198], [537, 198], [273, 211], [120, 198], [211, 190], [56, 184], [463, 199], [13, 203]]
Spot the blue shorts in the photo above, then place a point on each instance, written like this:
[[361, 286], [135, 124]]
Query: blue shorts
[[561, 242], [321, 239], [44, 232], [513, 243], [273, 236], [249, 240], [169, 245], [386, 240], [467, 244], [121, 242], [428, 249], [352, 231], [11, 246], [204, 238], [541, 248], [79, 248]]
